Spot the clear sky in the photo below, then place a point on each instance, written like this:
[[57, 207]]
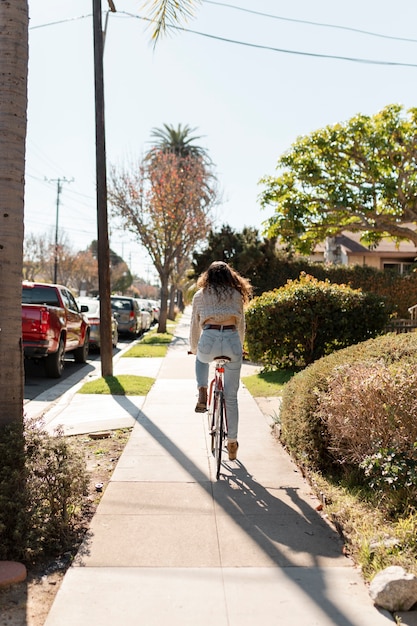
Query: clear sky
[[248, 103]]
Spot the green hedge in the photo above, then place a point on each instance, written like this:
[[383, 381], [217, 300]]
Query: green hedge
[[400, 292], [307, 319]]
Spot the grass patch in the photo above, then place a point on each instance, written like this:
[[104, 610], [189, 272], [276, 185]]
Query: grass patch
[[266, 384], [123, 385], [141, 350], [372, 539], [153, 338], [153, 344]]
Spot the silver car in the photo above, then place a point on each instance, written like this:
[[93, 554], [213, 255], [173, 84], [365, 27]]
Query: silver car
[[127, 313]]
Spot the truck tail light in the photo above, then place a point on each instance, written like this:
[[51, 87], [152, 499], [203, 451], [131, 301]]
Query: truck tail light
[[44, 321], [131, 315]]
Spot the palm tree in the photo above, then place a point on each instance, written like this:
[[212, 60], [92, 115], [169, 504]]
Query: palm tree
[[166, 13], [177, 140], [14, 23], [14, 27]]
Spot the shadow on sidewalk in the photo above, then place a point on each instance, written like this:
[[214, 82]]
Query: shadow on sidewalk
[[277, 528]]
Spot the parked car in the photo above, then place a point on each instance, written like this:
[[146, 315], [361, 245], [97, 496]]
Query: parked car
[[127, 313], [52, 325], [91, 308], [156, 307], [145, 313]]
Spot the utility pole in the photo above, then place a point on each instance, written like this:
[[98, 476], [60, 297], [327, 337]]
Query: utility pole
[[103, 249], [58, 181]]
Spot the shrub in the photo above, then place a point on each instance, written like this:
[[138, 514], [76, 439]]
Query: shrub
[[13, 502], [367, 407], [303, 430], [392, 473], [307, 319], [43, 482], [400, 292], [57, 485]]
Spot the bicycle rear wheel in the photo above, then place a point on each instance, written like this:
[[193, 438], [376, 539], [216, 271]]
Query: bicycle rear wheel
[[212, 423], [219, 433]]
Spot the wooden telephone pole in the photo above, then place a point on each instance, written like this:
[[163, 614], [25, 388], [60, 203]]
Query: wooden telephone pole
[[103, 249]]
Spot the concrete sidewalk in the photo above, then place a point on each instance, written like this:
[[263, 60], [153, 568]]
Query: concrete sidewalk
[[171, 545]]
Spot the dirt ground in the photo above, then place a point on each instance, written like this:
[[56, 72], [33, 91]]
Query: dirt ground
[[28, 603]]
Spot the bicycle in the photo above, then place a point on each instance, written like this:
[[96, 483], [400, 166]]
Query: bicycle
[[217, 417]]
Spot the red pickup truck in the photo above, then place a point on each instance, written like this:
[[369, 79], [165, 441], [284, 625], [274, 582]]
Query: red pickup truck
[[52, 325]]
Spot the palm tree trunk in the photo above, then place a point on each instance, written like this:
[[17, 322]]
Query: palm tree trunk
[[13, 106]]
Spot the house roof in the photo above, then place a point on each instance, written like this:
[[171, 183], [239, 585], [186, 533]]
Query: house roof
[[352, 245]]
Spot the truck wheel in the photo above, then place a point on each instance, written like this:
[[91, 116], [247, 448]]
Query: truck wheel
[[54, 363], [81, 353]]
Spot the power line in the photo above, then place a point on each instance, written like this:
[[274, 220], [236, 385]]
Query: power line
[[261, 14], [68, 19], [271, 48], [282, 50], [311, 23]]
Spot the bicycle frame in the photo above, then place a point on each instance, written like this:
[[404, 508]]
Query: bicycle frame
[[217, 411]]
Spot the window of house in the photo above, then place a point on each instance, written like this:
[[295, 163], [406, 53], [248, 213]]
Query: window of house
[[400, 267]]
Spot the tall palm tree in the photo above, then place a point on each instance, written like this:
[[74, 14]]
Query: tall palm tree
[[14, 23], [14, 27], [177, 140], [166, 13]]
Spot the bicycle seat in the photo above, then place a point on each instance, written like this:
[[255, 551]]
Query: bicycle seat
[[222, 358]]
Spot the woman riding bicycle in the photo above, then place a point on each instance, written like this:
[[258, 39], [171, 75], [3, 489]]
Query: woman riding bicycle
[[218, 328]]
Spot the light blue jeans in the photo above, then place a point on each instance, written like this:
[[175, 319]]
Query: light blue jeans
[[214, 343]]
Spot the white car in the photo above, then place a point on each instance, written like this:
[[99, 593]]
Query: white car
[[145, 314], [91, 309]]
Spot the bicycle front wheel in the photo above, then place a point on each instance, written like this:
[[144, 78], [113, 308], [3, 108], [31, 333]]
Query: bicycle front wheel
[[219, 434]]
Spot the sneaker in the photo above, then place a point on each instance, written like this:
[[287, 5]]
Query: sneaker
[[232, 447]]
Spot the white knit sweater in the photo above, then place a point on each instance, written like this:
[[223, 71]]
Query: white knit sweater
[[207, 306]]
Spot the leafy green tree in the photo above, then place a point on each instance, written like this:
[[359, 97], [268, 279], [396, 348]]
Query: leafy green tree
[[245, 251], [359, 176]]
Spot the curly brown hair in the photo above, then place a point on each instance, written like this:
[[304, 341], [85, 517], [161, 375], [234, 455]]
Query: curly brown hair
[[221, 278]]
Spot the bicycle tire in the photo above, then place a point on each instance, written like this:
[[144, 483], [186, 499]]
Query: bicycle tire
[[212, 423], [219, 434]]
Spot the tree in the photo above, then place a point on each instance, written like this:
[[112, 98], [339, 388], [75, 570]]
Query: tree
[[84, 272], [359, 176], [166, 201], [167, 13], [14, 21], [13, 105], [36, 251], [254, 258], [120, 276], [177, 140], [14, 27]]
